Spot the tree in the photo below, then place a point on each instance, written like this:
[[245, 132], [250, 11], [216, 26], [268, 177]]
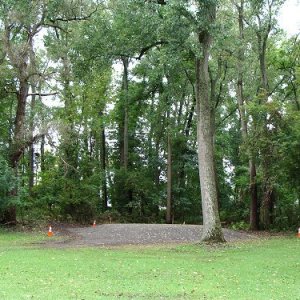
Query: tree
[[22, 22], [254, 204], [261, 21]]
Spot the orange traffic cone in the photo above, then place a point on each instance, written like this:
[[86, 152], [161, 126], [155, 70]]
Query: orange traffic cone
[[50, 233], [298, 235], [94, 224]]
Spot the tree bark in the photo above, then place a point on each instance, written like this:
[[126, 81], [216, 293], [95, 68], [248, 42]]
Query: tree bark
[[19, 131], [267, 206], [16, 151], [212, 230]]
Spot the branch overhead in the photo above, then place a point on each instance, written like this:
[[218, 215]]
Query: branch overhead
[[145, 49], [160, 2], [74, 18]]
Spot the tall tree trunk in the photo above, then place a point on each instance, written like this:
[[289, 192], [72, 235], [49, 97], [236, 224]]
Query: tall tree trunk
[[190, 118], [19, 131], [31, 119], [16, 151], [262, 47], [240, 82], [169, 181], [254, 205], [69, 142], [21, 58], [267, 205], [268, 191], [124, 194], [214, 100], [31, 147], [212, 230], [125, 91], [42, 153], [103, 168]]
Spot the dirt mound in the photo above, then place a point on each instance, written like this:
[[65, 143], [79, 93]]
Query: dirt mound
[[136, 234]]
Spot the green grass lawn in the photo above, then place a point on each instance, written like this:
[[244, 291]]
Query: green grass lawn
[[265, 269]]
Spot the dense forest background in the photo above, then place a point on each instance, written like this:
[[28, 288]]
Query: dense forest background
[[100, 102]]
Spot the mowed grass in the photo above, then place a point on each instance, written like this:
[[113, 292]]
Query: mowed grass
[[260, 269]]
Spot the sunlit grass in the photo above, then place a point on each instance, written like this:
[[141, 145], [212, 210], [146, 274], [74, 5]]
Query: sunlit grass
[[266, 269]]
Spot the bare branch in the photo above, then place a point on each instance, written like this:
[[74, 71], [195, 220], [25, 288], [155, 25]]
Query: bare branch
[[160, 2], [55, 27], [221, 85], [74, 18], [226, 117], [42, 94], [276, 86]]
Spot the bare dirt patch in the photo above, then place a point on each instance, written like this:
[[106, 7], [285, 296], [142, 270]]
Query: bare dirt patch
[[135, 234]]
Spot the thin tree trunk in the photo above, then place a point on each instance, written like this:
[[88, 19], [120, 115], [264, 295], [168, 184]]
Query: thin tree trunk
[[125, 91], [31, 120], [268, 191], [240, 65], [190, 117], [31, 147], [69, 143], [294, 89], [262, 47], [158, 138], [43, 153], [267, 206], [169, 181], [103, 169], [254, 205]]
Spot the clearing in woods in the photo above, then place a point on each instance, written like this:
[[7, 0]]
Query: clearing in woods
[[135, 234]]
